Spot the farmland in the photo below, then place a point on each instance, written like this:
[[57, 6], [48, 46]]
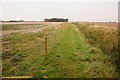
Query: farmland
[[75, 50]]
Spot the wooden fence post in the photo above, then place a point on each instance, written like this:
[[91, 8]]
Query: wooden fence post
[[33, 71], [55, 38], [46, 51]]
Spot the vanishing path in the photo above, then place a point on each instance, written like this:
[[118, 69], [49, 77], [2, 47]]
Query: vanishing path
[[72, 56]]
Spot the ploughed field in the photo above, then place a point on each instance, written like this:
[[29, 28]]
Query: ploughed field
[[75, 50]]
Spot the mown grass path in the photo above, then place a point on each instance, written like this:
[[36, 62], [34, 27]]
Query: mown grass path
[[63, 59], [71, 56]]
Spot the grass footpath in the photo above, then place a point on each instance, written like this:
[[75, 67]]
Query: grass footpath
[[69, 57], [72, 57]]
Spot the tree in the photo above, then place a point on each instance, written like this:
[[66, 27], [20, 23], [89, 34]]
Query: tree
[[55, 20]]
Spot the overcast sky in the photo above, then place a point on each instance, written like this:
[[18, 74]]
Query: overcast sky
[[74, 10]]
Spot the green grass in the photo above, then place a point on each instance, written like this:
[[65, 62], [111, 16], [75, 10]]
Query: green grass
[[70, 56], [17, 48]]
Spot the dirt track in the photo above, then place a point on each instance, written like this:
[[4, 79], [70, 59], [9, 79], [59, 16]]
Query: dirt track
[[6, 33]]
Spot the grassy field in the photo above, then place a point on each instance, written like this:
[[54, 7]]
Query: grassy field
[[20, 27], [26, 27], [70, 55]]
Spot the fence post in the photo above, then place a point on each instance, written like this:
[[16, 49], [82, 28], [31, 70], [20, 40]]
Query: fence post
[[55, 38], [46, 51], [33, 71]]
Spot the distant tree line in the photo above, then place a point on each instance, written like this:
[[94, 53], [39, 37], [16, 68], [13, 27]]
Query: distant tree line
[[16, 21], [12, 21], [55, 20]]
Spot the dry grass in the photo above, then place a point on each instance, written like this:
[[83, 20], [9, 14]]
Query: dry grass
[[105, 38]]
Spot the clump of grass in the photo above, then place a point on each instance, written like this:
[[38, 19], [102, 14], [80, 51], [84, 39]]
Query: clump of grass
[[17, 58], [94, 50]]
